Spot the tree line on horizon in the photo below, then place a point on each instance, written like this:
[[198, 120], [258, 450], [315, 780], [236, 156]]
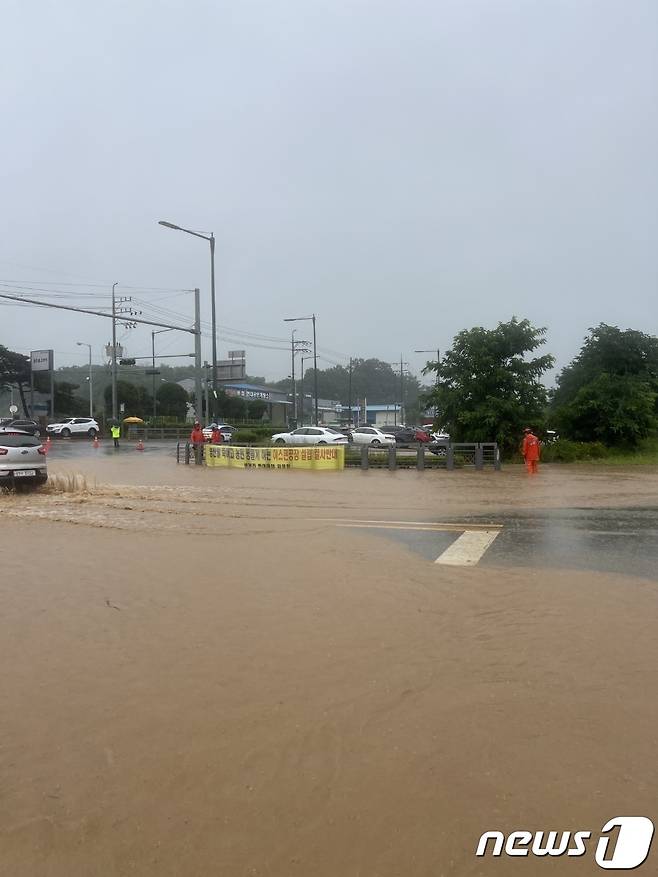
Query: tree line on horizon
[[487, 386]]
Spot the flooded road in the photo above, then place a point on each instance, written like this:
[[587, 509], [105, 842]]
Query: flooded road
[[204, 674]]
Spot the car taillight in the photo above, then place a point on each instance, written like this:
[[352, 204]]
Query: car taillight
[[42, 451]]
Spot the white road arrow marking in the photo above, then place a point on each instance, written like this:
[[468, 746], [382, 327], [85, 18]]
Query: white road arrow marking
[[468, 549]]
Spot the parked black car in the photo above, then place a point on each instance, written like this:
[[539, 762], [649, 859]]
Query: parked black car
[[31, 427]]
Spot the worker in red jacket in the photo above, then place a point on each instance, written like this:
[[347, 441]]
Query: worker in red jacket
[[196, 436], [197, 439], [530, 451], [216, 437]]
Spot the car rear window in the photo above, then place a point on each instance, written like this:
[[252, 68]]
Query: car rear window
[[16, 440]]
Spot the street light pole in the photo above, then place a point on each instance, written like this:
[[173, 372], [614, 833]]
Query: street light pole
[[91, 384], [211, 240], [315, 358]]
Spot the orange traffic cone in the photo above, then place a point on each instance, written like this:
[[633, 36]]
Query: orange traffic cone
[[140, 445], [96, 442]]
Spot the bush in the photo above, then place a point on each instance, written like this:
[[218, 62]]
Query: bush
[[262, 433], [567, 451], [246, 437]]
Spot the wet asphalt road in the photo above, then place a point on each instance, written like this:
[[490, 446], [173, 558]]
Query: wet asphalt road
[[83, 449], [603, 539], [606, 540]]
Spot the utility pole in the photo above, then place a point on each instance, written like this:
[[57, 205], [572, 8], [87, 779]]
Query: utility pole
[[294, 388], [206, 367], [197, 354], [349, 391], [438, 364], [153, 375], [214, 326], [115, 408], [401, 364], [315, 357], [315, 371]]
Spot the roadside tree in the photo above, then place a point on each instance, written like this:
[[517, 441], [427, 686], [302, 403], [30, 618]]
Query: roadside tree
[[609, 392], [136, 399], [171, 400], [15, 369], [487, 388]]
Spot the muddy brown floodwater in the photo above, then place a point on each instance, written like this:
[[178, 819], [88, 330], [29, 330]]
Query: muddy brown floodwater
[[203, 675]]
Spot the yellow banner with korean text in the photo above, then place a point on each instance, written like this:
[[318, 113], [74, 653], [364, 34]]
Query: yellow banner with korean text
[[312, 457]]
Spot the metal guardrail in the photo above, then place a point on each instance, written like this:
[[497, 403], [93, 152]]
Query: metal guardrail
[[458, 455]]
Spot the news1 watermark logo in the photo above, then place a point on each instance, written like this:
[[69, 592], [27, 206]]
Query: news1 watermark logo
[[622, 844]]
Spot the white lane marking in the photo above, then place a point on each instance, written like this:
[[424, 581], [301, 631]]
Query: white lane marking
[[412, 525], [468, 549]]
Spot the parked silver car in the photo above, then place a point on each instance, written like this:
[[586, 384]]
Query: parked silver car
[[22, 459]]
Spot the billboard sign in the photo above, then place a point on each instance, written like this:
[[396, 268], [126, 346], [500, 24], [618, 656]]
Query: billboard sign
[[41, 360], [230, 369]]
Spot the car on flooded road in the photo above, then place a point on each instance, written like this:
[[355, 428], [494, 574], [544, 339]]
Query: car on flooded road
[[22, 459], [310, 435], [226, 431], [74, 426], [29, 426], [370, 435]]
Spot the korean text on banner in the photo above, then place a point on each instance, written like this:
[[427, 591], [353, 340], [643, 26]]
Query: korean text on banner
[[316, 457]]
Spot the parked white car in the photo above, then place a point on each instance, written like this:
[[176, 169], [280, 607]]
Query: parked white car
[[310, 435], [370, 435], [74, 426], [226, 430]]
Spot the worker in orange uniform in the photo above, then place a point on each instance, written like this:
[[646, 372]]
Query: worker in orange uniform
[[530, 451], [216, 437], [197, 439]]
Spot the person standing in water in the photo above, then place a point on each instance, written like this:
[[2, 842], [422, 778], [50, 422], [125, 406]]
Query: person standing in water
[[530, 451], [115, 429]]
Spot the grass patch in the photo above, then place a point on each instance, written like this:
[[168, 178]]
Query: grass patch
[[566, 451]]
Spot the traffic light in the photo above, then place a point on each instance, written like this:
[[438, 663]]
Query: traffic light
[[126, 362]]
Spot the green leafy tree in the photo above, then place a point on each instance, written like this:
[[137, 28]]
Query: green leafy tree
[[487, 387], [15, 369], [256, 408], [137, 400], [374, 379], [67, 404], [171, 401], [609, 392]]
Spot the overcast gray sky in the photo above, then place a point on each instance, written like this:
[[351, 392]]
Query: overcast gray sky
[[406, 169]]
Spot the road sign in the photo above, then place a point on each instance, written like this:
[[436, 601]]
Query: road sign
[[237, 354], [13, 409]]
